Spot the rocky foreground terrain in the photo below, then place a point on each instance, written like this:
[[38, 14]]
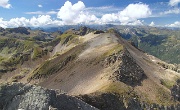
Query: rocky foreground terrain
[[18, 96], [83, 69]]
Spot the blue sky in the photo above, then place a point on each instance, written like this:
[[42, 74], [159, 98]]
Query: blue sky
[[49, 13]]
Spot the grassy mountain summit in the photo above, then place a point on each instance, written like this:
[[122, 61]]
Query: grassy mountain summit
[[97, 67]]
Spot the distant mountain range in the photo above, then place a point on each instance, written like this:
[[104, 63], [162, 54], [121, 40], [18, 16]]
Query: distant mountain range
[[160, 42]]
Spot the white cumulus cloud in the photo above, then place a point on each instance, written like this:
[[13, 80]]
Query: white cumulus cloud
[[5, 4], [107, 18], [135, 23], [40, 21], [174, 2], [175, 24], [134, 11], [75, 13], [68, 12], [129, 15], [16, 22], [2, 23]]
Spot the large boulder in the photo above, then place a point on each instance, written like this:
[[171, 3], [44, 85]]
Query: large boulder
[[29, 97], [129, 71]]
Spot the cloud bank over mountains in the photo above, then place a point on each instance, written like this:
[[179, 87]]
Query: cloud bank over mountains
[[72, 14], [78, 13]]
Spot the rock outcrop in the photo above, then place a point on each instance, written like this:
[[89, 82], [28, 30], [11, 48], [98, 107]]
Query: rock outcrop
[[29, 97], [81, 31], [21, 30], [113, 101], [84, 30], [113, 58], [129, 71], [175, 91], [104, 101], [98, 32]]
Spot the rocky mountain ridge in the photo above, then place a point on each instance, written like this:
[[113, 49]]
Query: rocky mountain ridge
[[95, 69]]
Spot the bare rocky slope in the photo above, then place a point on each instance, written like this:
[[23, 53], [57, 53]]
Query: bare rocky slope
[[96, 68]]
